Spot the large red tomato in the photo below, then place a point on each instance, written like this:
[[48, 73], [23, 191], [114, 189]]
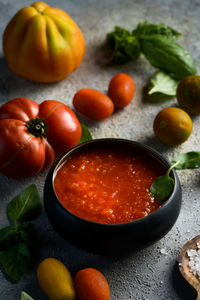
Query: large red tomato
[[32, 135]]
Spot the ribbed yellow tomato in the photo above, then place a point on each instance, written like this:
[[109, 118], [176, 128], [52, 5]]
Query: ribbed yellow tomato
[[42, 43]]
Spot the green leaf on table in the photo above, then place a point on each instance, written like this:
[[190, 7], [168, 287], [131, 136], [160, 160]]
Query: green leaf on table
[[26, 205], [15, 260], [167, 56], [124, 45], [6, 235], [188, 160], [25, 296], [159, 29], [86, 134], [162, 186], [29, 236], [162, 83]]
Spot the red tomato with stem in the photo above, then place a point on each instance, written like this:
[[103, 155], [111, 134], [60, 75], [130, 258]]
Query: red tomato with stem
[[121, 89], [93, 104], [32, 135], [90, 284]]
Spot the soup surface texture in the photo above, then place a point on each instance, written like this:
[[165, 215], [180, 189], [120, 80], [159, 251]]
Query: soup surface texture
[[108, 186]]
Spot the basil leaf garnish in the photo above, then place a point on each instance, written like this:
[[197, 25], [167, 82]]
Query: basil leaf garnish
[[86, 135], [162, 186], [162, 83], [15, 260], [188, 160], [25, 206], [25, 296]]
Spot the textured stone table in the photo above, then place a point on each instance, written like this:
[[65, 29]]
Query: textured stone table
[[152, 273]]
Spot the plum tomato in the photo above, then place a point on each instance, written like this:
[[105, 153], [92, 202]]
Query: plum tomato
[[90, 284], [172, 126], [121, 89], [93, 104], [32, 135]]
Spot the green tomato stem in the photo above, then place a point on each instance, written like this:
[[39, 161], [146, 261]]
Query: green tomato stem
[[37, 127]]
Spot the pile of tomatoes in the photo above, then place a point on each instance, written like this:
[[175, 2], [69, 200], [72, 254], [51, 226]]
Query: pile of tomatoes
[[32, 135]]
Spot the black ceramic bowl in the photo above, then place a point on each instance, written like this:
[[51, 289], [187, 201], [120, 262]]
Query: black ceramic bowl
[[117, 238]]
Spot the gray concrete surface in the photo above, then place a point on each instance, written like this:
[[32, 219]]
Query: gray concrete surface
[[142, 275]]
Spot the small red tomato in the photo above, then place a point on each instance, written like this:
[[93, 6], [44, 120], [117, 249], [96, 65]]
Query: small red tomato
[[93, 104], [121, 89], [90, 284]]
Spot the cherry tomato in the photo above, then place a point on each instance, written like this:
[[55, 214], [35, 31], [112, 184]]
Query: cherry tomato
[[172, 126], [93, 104], [31, 135], [121, 89], [90, 284]]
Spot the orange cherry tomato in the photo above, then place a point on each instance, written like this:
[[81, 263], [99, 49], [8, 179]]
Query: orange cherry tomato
[[172, 126], [121, 89], [93, 104], [90, 284]]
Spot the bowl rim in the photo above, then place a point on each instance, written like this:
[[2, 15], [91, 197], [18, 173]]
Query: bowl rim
[[151, 150]]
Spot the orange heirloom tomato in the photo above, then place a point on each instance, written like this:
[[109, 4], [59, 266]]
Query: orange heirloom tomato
[[31, 135], [42, 43], [93, 104], [90, 284], [121, 89]]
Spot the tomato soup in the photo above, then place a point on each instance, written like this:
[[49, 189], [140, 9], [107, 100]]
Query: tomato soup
[[107, 185]]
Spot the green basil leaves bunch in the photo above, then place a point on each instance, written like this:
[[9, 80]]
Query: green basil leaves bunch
[[19, 241], [157, 43]]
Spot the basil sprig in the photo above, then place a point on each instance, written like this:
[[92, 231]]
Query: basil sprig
[[19, 241], [162, 186], [156, 42]]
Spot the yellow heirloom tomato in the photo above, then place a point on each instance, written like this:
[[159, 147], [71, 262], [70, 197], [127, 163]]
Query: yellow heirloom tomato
[[42, 43]]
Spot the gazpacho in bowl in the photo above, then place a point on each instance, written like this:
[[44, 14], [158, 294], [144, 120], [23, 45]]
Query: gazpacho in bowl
[[98, 196], [109, 186]]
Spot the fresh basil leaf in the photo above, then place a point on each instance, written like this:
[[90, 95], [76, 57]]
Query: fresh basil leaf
[[159, 29], [162, 83], [167, 56], [157, 98], [26, 205], [162, 186], [15, 260], [25, 296], [124, 45], [6, 235], [29, 236], [86, 134], [188, 160]]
